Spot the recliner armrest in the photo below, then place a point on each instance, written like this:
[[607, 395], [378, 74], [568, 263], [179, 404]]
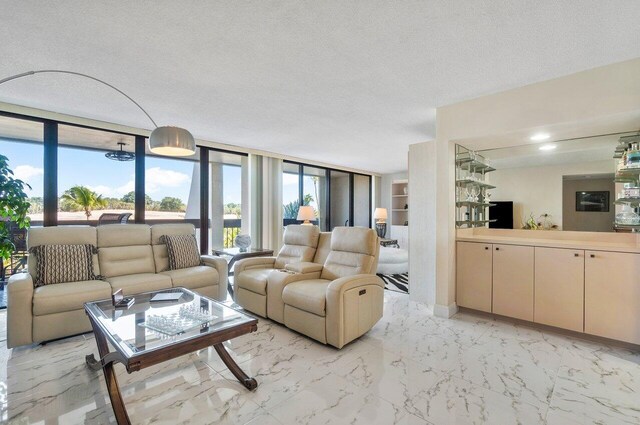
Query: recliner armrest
[[304, 267], [220, 264], [254, 263], [19, 310], [353, 305]]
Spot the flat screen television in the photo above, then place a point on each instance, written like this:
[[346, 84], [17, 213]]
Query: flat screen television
[[502, 212]]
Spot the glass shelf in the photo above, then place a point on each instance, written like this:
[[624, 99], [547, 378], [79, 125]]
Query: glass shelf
[[469, 182], [627, 226], [473, 204], [475, 222], [628, 201], [474, 166]]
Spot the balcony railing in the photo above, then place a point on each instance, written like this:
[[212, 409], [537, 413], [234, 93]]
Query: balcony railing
[[231, 230]]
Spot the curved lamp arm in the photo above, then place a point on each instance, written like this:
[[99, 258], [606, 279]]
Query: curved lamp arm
[[60, 71]]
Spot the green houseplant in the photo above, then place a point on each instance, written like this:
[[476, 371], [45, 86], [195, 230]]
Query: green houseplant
[[13, 207]]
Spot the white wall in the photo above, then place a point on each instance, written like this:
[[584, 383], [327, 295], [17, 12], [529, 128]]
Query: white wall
[[538, 190]]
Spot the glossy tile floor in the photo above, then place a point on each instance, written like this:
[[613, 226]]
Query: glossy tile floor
[[411, 368]]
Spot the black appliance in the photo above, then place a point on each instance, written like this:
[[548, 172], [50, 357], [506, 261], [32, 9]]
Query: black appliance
[[502, 212]]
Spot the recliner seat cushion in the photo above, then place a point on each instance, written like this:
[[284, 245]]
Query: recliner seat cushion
[[69, 296], [254, 280], [193, 277], [308, 295], [142, 282]]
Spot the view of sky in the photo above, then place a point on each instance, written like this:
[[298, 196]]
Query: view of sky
[[163, 177]]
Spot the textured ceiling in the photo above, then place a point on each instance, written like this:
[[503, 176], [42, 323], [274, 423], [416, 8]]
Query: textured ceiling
[[351, 83]]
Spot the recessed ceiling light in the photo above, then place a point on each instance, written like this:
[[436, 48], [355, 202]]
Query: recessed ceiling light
[[539, 137], [547, 147]]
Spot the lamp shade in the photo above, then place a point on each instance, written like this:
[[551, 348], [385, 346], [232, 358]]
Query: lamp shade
[[306, 213], [172, 141], [380, 214]]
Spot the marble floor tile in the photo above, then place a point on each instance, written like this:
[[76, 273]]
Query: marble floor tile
[[334, 400], [412, 368], [453, 401], [510, 376]]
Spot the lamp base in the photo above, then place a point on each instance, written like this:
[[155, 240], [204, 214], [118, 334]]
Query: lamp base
[[381, 229]]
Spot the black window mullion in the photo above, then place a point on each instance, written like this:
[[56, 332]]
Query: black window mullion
[[327, 208], [370, 201], [204, 200], [351, 199], [50, 186], [301, 184], [140, 198]]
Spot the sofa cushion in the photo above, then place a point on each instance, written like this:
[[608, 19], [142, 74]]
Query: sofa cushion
[[137, 283], [193, 277], [126, 260], [182, 250], [69, 296], [63, 263], [111, 235], [254, 280], [354, 251], [308, 295]]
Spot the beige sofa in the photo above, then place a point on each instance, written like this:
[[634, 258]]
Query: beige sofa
[[334, 299], [130, 257]]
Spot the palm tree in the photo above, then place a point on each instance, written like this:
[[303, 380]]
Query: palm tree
[[84, 198]]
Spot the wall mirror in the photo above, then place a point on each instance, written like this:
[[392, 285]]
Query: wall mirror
[[561, 185]]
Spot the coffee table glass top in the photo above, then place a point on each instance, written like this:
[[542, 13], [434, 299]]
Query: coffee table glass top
[[150, 325], [236, 251]]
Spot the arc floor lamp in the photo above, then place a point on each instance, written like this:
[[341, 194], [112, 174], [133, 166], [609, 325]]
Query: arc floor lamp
[[165, 140]]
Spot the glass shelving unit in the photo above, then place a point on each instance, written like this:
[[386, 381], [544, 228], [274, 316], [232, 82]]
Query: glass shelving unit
[[472, 196], [628, 173]]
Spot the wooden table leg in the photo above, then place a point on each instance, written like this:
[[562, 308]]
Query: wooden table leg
[[112, 382], [245, 380]]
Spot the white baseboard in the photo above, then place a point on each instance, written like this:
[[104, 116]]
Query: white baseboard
[[445, 311]]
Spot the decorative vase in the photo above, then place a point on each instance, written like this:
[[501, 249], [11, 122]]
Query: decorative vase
[[404, 189], [381, 229], [242, 241]]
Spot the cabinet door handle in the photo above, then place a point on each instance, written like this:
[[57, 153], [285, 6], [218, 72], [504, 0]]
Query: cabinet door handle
[[576, 254], [486, 247], [592, 255], [497, 249]]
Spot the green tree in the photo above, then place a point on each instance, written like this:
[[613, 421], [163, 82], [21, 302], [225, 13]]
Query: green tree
[[233, 208], [84, 199], [131, 198], [290, 210], [13, 208], [170, 203]]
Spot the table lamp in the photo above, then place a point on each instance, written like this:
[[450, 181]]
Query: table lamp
[[306, 213], [380, 215]]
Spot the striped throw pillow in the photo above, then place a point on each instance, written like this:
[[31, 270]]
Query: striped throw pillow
[[63, 263], [182, 250]]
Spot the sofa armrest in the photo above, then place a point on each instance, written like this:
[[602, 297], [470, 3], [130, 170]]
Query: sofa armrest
[[19, 310], [276, 282], [254, 263], [304, 267], [220, 264], [353, 305]]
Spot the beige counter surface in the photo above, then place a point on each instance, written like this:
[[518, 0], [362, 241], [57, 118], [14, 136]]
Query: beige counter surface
[[592, 241]]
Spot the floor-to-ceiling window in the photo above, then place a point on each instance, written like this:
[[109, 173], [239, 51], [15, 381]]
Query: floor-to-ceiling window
[[226, 197], [172, 189], [96, 176], [21, 141], [339, 198], [290, 192], [314, 192]]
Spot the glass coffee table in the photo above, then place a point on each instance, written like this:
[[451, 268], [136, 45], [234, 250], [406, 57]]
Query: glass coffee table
[[152, 332]]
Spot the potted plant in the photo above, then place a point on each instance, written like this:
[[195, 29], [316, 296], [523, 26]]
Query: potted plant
[[14, 208]]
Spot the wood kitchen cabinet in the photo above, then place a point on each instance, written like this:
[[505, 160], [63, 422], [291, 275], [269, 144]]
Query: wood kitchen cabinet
[[513, 281], [612, 295], [474, 275], [559, 288]]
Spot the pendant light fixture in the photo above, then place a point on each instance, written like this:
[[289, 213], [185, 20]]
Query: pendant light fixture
[[120, 155], [166, 140]]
